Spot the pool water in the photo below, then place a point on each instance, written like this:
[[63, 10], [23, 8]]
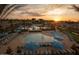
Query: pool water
[[32, 39], [57, 35], [57, 44], [37, 38]]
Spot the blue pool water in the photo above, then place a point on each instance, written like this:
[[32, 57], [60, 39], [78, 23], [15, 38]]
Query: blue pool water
[[57, 44], [38, 37], [57, 35], [32, 39], [31, 46]]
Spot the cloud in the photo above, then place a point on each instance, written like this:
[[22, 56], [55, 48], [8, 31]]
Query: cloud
[[29, 10], [38, 10], [31, 13]]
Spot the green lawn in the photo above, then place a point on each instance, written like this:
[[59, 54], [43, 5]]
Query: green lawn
[[74, 35]]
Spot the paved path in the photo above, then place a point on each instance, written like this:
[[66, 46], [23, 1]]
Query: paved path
[[18, 41]]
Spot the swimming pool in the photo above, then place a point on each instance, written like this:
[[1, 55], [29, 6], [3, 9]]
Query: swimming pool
[[38, 38], [57, 35], [33, 40]]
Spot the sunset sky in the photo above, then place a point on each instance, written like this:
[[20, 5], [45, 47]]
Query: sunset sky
[[55, 12]]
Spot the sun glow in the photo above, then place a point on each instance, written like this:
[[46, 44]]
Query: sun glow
[[56, 14], [57, 19]]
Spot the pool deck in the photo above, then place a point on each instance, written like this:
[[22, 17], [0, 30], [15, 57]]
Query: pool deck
[[18, 41], [66, 41]]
